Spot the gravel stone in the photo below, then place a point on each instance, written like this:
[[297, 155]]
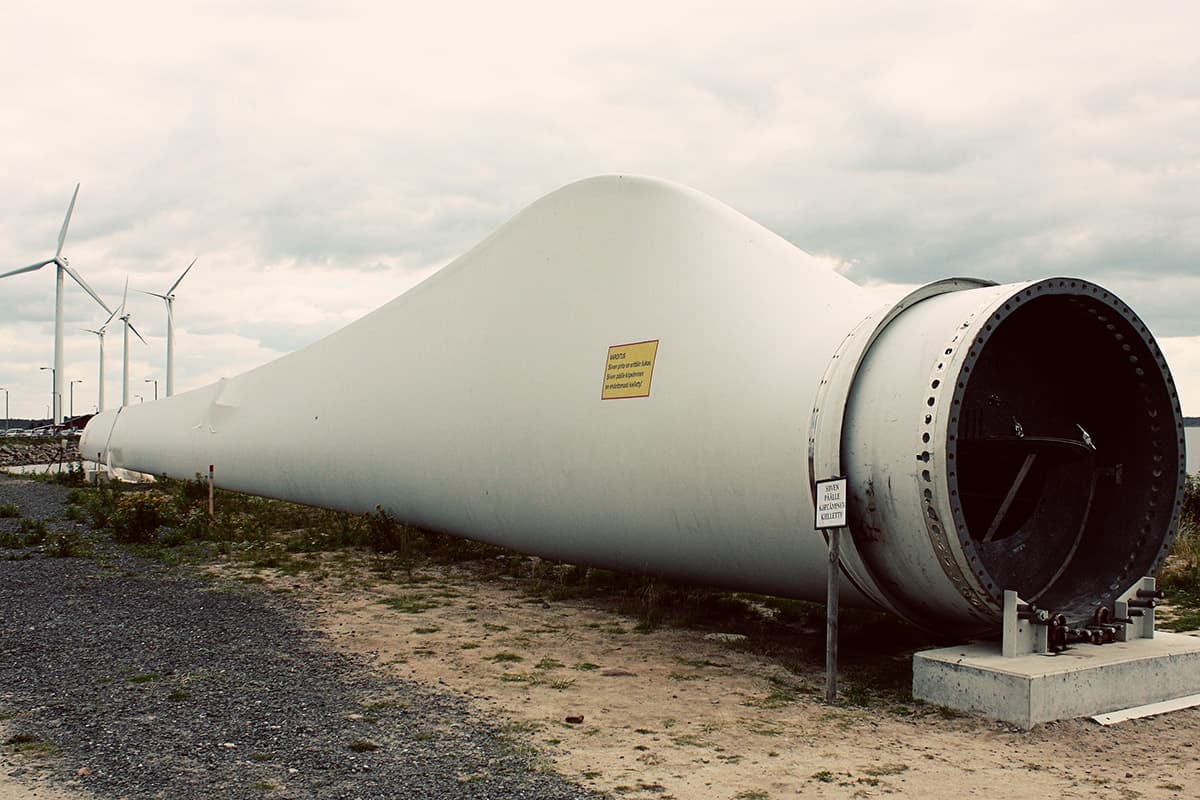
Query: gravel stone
[[154, 683]]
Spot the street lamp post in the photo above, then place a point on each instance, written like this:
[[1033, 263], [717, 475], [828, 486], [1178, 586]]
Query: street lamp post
[[155, 382], [53, 386], [72, 401]]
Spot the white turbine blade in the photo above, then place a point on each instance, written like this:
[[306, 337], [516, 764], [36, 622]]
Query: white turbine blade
[[152, 294], [125, 296], [62, 235], [30, 268], [185, 272], [100, 332], [135, 331], [79, 279]]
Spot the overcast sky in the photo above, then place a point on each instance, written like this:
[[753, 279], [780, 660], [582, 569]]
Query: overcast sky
[[320, 158]]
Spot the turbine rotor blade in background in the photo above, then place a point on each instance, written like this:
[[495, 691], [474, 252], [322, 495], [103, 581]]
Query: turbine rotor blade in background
[[185, 272], [152, 294], [62, 234], [30, 268], [135, 331], [86, 288]]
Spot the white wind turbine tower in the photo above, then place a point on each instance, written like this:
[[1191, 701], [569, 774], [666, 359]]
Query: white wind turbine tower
[[100, 382], [123, 314], [169, 299], [61, 266]]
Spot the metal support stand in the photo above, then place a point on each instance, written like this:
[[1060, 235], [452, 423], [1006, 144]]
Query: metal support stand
[[1025, 628], [1134, 610], [1029, 629]]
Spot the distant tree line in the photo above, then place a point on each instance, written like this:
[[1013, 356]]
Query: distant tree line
[[18, 422]]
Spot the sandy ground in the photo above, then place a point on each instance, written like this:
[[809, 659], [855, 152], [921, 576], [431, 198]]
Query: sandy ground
[[24, 777], [675, 714]]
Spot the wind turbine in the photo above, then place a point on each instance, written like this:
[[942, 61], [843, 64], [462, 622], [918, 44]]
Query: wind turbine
[[61, 266], [100, 382], [169, 299], [123, 315]]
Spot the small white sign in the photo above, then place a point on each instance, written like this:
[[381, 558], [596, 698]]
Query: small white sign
[[831, 503]]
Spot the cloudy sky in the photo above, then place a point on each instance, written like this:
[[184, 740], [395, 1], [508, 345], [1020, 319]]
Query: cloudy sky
[[320, 158]]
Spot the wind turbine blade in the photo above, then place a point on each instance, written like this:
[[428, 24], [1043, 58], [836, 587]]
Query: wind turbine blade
[[135, 331], [152, 294], [62, 235], [30, 268], [79, 279], [125, 296], [180, 278]]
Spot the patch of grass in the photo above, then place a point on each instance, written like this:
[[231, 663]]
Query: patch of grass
[[1179, 575], [428, 629], [687, 740], [751, 795], [10, 511], [587, 666], [697, 663], [411, 604], [547, 664], [824, 776], [32, 747], [363, 746], [886, 769], [505, 657], [522, 726], [144, 677]]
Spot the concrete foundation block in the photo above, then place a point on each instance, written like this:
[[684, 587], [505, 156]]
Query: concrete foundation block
[[1085, 680]]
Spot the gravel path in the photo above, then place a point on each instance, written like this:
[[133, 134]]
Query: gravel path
[[150, 683]]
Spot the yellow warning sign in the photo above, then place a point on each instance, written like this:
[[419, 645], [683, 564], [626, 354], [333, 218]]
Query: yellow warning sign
[[628, 371]]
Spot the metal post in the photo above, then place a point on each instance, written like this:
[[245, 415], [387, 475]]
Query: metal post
[[72, 406], [831, 615], [53, 410], [210, 491]]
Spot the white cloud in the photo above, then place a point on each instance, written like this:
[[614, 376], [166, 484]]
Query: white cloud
[[320, 158]]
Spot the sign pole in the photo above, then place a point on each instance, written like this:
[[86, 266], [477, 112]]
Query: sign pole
[[831, 616], [830, 512]]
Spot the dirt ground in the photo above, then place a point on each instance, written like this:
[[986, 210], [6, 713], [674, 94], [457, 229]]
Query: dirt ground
[[676, 713]]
